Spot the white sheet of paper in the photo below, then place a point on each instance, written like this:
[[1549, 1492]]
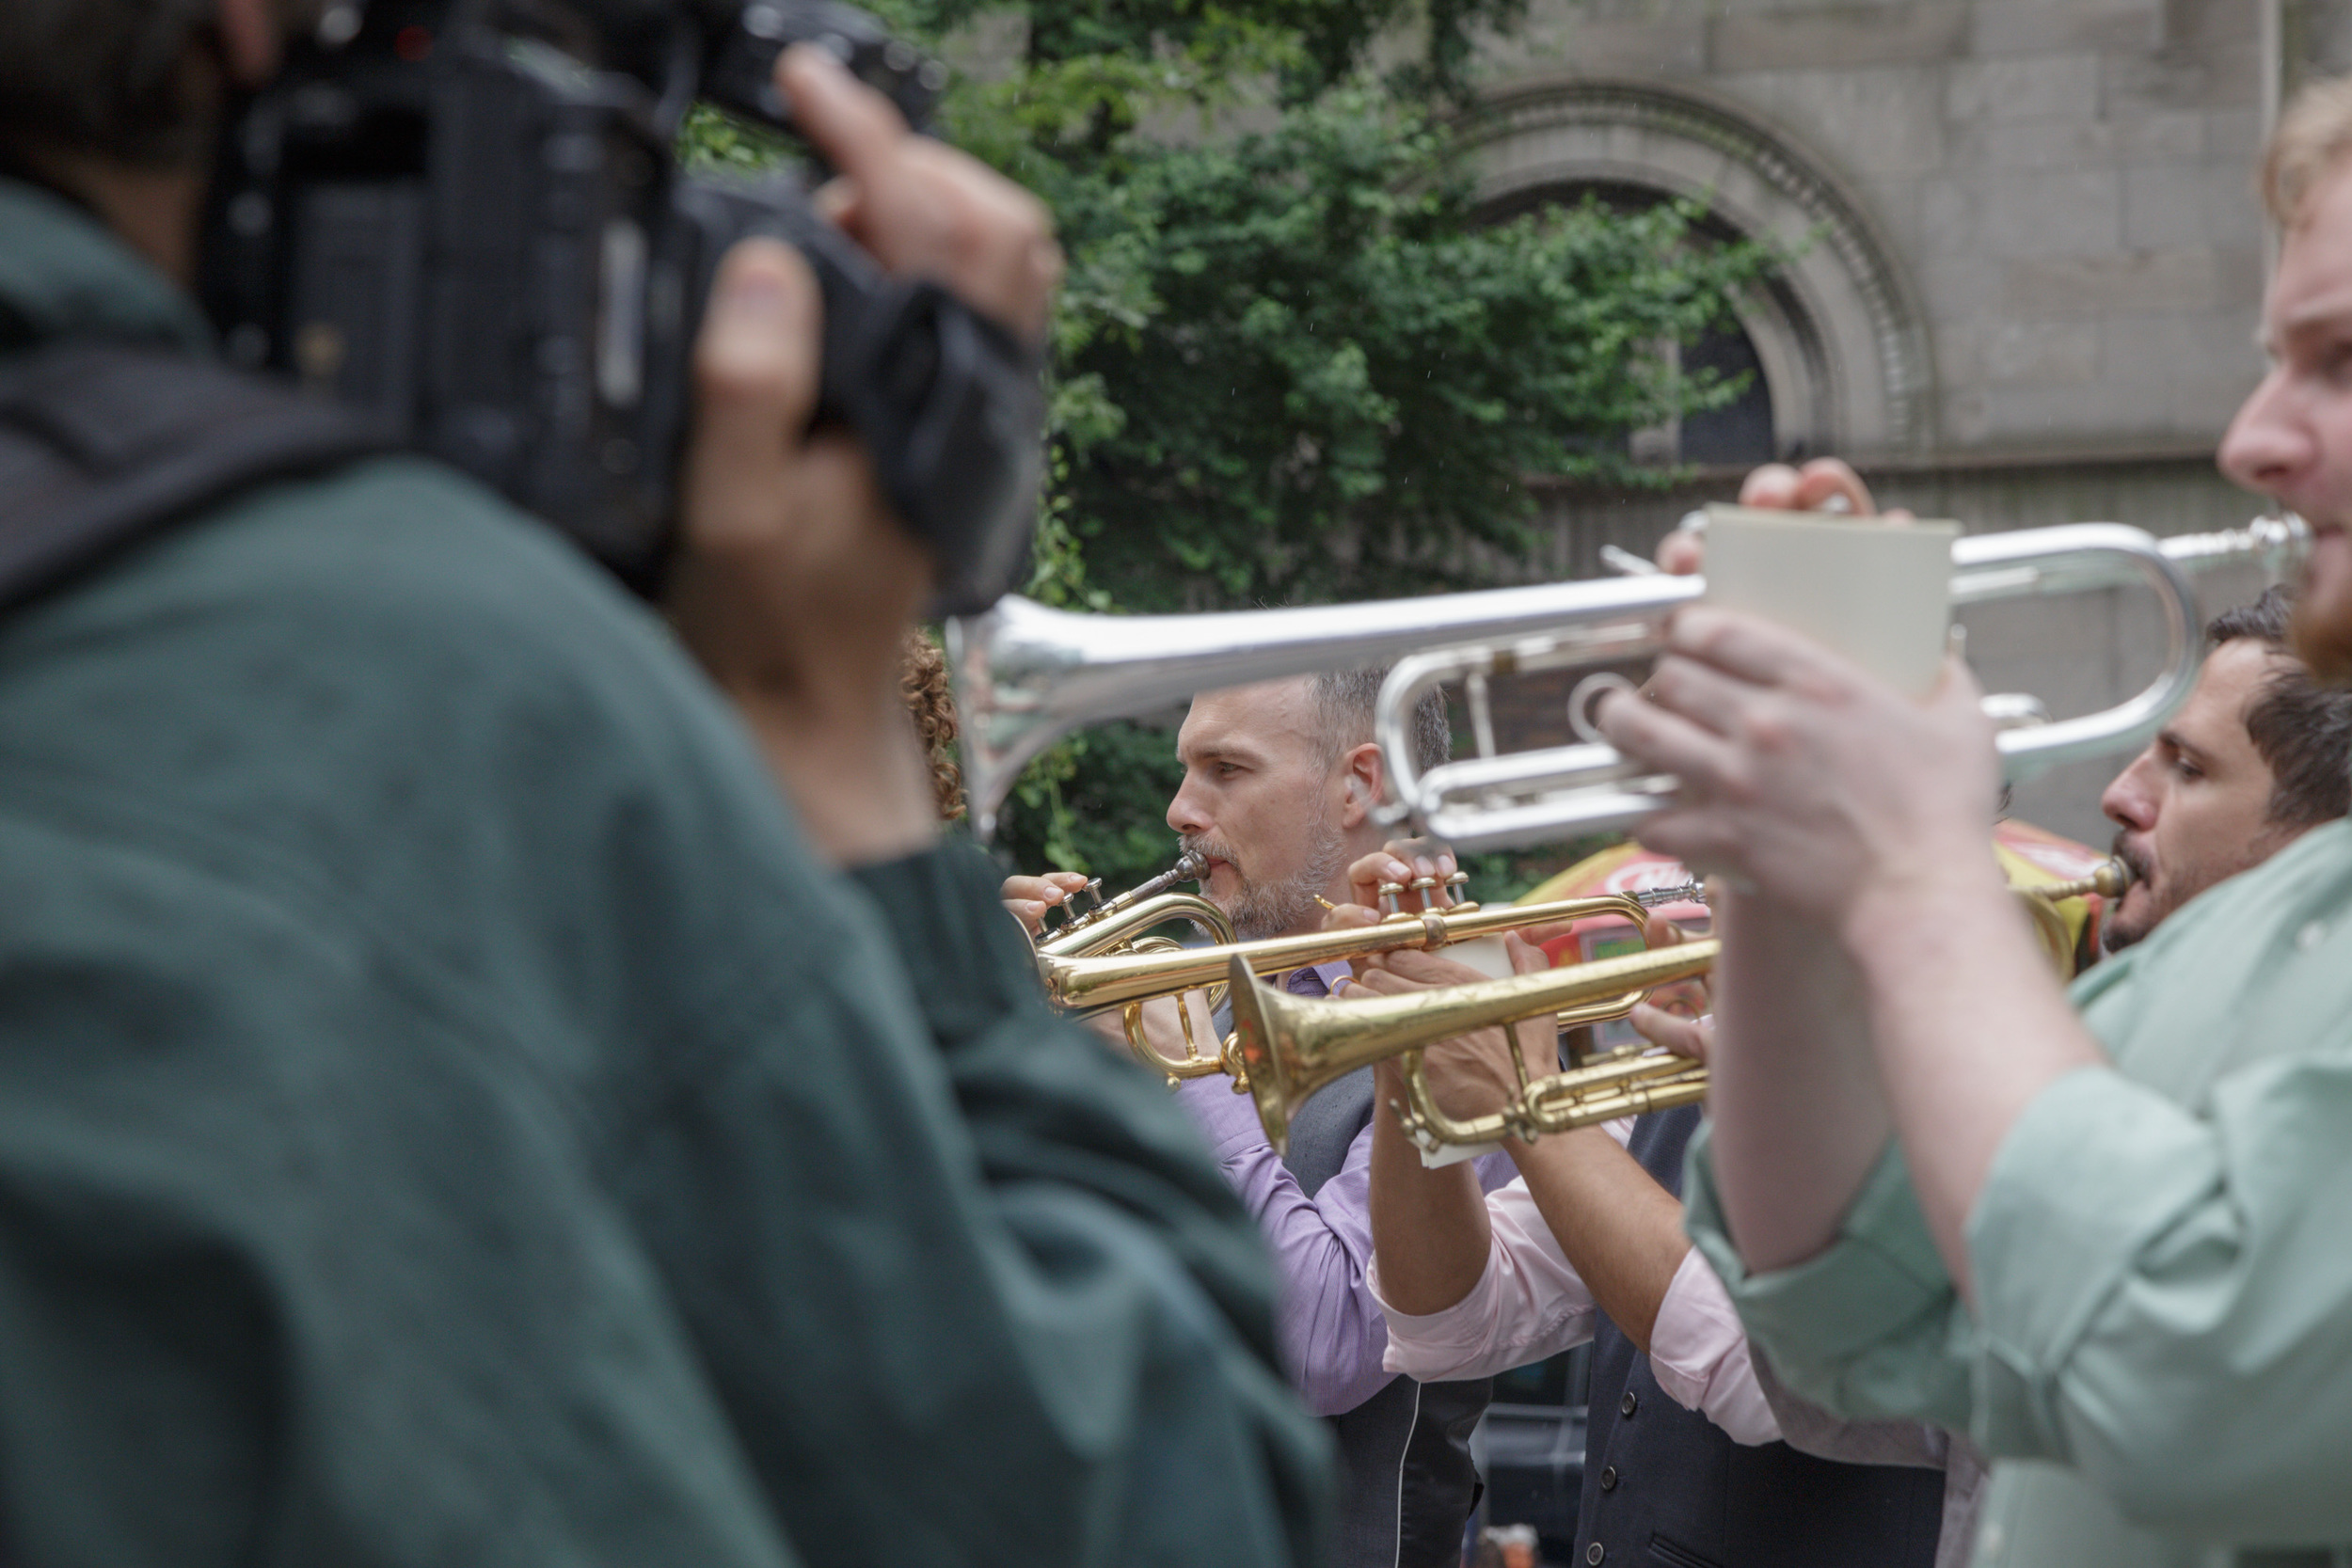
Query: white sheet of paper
[[1878, 593]]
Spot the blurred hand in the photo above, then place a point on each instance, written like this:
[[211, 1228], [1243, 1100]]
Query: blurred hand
[[1029, 897], [795, 585], [1824, 485]]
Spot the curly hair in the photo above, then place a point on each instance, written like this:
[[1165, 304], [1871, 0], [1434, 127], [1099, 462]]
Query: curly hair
[[923, 681]]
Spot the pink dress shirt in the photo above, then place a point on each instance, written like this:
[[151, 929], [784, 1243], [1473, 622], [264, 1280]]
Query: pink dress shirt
[[1530, 1302]]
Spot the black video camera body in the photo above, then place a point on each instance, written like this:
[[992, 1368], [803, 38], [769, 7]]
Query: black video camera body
[[466, 218]]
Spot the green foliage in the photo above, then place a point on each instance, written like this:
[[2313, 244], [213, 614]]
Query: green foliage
[[1328, 377], [1292, 364], [1319, 42], [1097, 803]]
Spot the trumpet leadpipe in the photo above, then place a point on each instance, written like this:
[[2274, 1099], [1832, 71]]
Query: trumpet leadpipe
[[1114, 979]]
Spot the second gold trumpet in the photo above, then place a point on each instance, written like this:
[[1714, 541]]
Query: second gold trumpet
[[1128, 978], [1289, 1047], [1285, 1048]]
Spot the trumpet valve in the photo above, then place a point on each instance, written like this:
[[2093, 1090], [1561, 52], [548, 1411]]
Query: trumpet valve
[[1390, 894], [1455, 886]]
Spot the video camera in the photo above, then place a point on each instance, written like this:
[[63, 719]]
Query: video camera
[[465, 217]]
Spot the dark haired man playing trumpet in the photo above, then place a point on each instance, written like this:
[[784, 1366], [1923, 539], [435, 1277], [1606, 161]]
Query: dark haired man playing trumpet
[[2253, 759], [1280, 782], [2101, 1234]]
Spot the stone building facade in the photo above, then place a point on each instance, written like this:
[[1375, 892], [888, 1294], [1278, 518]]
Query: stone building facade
[[2026, 261]]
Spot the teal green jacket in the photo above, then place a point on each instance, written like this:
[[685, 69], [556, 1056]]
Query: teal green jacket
[[2160, 1358], [447, 1114]]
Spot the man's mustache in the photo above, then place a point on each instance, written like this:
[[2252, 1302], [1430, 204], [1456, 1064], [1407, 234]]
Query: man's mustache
[[2134, 858], [1202, 843]]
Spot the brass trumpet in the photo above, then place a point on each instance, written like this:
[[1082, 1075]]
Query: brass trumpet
[[1116, 933], [2108, 880], [1285, 1048], [1288, 1047]]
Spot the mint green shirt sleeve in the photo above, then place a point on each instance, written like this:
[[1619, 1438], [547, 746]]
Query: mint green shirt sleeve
[[1870, 1328], [2164, 1289], [2166, 1297]]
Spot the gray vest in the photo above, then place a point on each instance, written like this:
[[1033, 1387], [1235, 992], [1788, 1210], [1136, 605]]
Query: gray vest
[[1664, 1485], [1406, 1484]]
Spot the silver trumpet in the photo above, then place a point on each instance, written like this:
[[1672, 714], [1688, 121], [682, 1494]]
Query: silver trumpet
[[1026, 675]]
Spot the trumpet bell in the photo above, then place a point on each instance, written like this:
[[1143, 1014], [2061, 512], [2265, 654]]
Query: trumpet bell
[[1288, 1047], [1026, 674]]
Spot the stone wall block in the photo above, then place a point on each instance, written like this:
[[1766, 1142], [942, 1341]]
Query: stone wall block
[[2144, 281], [2218, 78], [2034, 144], [2024, 87], [2042, 352], [1631, 46], [2163, 135], [1836, 37], [1879, 120], [2034, 26], [2206, 364], [2169, 205], [2071, 213]]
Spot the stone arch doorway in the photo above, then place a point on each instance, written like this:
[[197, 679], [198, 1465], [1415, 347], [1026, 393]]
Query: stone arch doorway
[[1838, 341]]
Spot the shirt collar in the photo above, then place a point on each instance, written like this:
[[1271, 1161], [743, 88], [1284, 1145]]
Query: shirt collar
[[63, 274]]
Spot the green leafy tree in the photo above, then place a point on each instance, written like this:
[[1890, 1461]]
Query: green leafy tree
[[1291, 362]]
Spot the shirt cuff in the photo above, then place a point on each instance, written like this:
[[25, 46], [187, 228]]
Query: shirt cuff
[[1434, 1346], [1879, 1287], [2092, 1172], [1699, 1352]]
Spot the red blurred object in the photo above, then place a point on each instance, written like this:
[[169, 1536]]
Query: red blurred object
[[2030, 855]]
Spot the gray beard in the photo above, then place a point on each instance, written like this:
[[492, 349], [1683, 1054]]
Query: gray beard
[[1263, 909]]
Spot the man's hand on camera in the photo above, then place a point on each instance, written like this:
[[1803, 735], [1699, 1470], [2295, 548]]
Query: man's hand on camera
[[795, 585], [921, 207]]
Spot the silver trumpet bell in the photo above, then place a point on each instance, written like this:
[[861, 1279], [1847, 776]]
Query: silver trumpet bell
[[1026, 675]]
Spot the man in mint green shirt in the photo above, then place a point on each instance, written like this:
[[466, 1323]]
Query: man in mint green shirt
[[2108, 1244], [454, 1108]]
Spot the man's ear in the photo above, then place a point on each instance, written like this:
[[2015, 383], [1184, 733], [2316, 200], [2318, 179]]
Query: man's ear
[[1364, 774], [250, 41]]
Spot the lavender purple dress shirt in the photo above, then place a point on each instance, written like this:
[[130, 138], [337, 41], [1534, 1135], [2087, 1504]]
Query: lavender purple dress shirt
[[1333, 1334]]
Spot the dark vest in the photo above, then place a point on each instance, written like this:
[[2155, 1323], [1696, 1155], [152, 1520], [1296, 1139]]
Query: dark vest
[[1406, 1484], [1664, 1485]]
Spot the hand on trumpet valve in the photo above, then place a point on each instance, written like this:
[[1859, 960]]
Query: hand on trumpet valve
[[1472, 1075], [1408, 876], [1028, 898], [1683, 1036], [1678, 1004]]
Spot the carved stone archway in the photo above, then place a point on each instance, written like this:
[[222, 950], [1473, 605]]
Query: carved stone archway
[[1840, 335]]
